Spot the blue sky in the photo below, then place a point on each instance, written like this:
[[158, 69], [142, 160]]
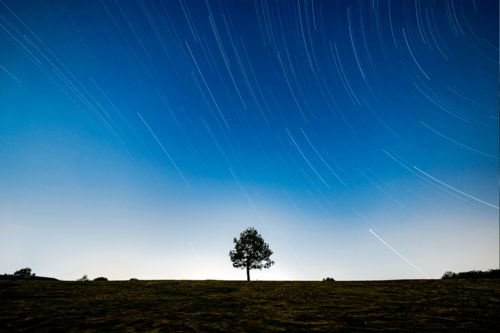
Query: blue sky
[[359, 137]]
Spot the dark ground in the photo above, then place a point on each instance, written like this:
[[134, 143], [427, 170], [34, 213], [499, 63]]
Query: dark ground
[[231, 306]]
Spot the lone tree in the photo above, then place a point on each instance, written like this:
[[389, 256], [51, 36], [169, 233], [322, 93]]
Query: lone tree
[[24, 273], [251, 252]]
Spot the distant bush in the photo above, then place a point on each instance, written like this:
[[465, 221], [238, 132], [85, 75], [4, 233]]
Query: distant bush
[[328, 279], [101, 278], [83, 278], [25, 277], [24, 273], [133, 279], [491, 274], [449, 275]]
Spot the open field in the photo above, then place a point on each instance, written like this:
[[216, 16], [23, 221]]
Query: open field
[[231, 306]]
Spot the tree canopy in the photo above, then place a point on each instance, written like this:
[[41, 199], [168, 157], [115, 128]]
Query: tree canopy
[[24, 273], [251, 252]]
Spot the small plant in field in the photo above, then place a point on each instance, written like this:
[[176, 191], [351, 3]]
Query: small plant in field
[[84, 278], [328, 279], [101, 278]]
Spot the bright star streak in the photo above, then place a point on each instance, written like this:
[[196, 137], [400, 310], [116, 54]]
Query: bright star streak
[[456, 190], [164, 150], [397, 253]]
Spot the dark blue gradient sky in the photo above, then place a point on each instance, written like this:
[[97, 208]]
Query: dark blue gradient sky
[[359, 137]]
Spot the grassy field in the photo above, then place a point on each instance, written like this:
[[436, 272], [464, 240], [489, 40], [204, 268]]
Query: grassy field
[[230, 306]]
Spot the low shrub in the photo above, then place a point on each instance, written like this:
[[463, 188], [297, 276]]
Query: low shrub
[[101, 278], [491, 274]]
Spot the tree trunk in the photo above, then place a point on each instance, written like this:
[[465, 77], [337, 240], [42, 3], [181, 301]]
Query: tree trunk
[[248, 273]]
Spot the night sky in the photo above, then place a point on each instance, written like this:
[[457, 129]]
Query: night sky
[[360, 138]]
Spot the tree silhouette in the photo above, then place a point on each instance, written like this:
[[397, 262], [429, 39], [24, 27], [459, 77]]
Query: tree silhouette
[[24, 273], [251, 252]]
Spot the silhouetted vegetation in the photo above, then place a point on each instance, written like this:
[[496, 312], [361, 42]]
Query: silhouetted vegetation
[[328, 279], [101, 278], [491, 274], [33, 277], [24, 273], [448, 275], [251, 252], [83, 278], [265, 306]]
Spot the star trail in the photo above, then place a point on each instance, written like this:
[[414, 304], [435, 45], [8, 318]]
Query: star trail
[[138, 137]]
